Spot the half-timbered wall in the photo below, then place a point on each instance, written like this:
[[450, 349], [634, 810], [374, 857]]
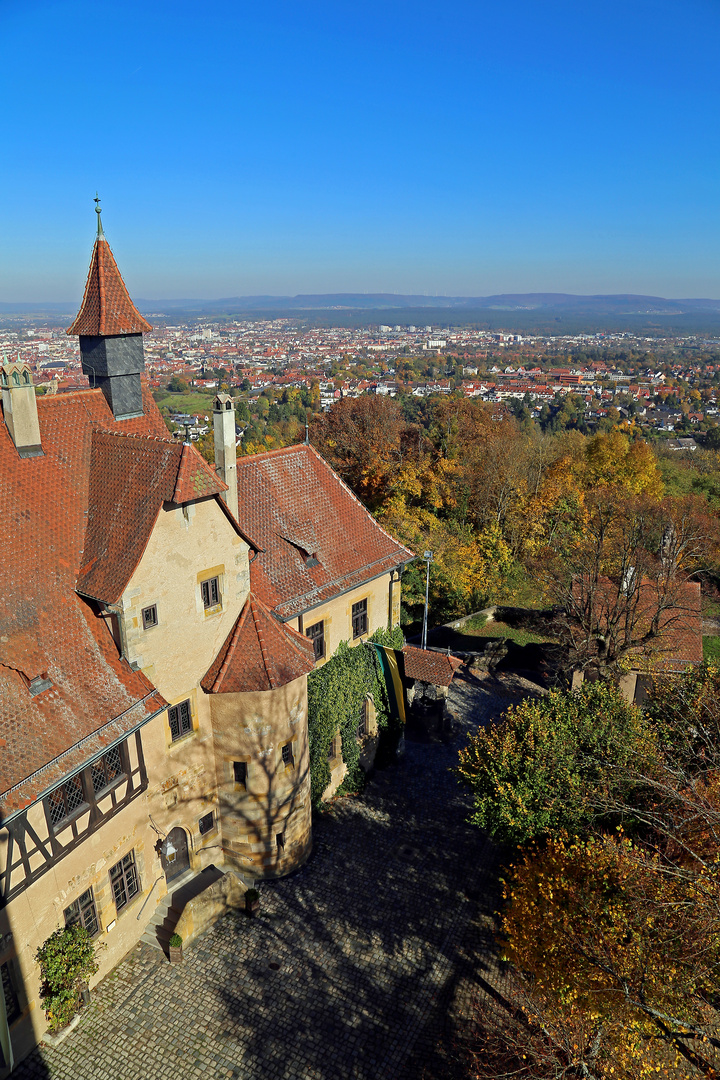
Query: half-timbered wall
[[38, 838]]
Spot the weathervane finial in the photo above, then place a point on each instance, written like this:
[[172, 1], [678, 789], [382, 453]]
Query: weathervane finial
[[98, 211]]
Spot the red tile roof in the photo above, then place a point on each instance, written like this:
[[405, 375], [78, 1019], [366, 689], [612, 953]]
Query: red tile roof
[[106, 307], [424, 665], [195, 478], [46, 629], [317, 538], [131, 477], [259, 653]]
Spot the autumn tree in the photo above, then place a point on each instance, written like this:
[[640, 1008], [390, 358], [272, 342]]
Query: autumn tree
[[621, 576], [602, 926], [612, 917], [364, 440]]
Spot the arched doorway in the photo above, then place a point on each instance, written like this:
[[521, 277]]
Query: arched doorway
[[174, 855]]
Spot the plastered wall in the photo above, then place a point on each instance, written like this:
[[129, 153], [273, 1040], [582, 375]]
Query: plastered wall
[[275, 799], [337, 614]]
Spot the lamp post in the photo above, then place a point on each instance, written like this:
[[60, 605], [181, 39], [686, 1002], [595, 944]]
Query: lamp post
[[428, 558]]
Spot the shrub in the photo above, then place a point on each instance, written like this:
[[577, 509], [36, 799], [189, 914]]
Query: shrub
[[66, 959], [252, 895], [175, 941], [553, 763]]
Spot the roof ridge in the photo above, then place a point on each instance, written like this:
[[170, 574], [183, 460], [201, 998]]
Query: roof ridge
[[254, 606], [276, 451], [239, 622], [133, 435]]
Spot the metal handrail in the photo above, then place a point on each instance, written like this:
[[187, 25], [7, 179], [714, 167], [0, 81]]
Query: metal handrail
[[161, 878]]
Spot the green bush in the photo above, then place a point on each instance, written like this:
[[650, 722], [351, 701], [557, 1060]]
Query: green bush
[[175, 941], [336, 693], [67, 960], [552, 763], [252, 895]]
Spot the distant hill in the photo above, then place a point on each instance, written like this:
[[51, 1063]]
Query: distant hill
[[554, 313]]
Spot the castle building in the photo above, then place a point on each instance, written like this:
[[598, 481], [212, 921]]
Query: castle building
[[158, 621]]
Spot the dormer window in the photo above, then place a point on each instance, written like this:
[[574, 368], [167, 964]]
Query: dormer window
[[39, 684]]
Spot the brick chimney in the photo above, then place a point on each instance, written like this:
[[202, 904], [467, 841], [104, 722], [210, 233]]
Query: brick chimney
[[225, 452], [110, 329], [20, 409]]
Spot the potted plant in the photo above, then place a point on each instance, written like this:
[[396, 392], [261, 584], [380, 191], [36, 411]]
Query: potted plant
[[175, 949], [67, 960], [252, 901]]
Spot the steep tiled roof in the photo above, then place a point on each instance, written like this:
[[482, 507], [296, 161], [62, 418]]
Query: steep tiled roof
[[427, 666], [317, 539], [258, 654], [46, 629], [130, 478], [195, 478], [106, 305]]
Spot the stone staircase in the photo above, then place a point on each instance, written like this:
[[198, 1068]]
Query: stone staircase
[[162, 924]]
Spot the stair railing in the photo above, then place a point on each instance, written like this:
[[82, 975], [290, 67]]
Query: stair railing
[[161, 878]]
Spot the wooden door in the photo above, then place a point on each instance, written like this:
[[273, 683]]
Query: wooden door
[[174, 855]]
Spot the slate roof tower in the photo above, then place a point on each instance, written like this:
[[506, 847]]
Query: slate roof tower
[[110, 329]]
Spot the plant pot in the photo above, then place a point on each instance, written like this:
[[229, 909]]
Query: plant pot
[[175, 952], [251, 906]]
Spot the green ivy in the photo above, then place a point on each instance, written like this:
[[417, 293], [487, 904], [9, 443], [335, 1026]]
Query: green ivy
[[66, 959], [336, 693]]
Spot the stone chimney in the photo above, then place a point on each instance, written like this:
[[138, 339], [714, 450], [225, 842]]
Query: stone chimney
[[110, 329], [20, 409], [225, 452]]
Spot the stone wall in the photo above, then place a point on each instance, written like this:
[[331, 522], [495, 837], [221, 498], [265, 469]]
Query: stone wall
[[225, 894]]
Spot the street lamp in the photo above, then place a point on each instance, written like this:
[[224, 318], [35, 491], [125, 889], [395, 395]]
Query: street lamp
[[428, 558]]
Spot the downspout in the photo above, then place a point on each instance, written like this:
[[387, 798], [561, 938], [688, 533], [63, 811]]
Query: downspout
[[116, 610]]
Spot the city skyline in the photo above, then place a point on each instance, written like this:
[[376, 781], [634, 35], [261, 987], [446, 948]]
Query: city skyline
[[394, 149]]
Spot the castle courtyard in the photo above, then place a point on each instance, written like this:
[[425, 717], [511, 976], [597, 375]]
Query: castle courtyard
[[356, 966]]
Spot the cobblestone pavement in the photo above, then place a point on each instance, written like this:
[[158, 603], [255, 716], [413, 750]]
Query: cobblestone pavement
[[352, 962]]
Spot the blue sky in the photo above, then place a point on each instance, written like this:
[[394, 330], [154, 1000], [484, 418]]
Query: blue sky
[[389, 145]]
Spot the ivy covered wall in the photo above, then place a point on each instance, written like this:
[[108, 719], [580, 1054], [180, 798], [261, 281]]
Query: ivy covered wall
[[336, 693]]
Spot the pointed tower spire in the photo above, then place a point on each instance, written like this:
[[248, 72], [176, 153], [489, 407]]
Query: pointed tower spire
[[98, 211], [110, 329]]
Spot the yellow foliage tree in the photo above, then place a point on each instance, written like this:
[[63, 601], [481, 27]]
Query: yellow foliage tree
[[608, 929], [618, 461]]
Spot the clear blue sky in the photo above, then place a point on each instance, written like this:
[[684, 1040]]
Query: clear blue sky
[[398, 145]]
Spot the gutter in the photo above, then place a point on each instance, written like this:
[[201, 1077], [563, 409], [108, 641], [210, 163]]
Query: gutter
[[90, 761]]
